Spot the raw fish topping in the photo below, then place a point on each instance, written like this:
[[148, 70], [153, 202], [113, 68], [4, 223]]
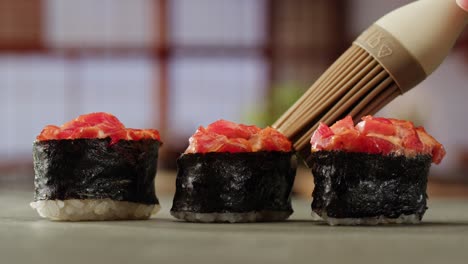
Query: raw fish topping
[[96, 125], [377, 135], [226, 136]]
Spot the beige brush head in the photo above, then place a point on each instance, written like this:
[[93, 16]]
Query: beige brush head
[[395, 54]]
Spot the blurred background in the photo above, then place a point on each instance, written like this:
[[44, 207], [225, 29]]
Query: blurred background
[[177, 64]]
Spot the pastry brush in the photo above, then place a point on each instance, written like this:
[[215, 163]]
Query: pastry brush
[[392, 56]]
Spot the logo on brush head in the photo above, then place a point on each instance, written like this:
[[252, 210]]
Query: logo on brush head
[[377, 41], [384, 51]]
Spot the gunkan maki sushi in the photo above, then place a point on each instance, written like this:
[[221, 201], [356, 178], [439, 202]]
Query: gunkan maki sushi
[[235, 173], [372, 173], [94, 168]]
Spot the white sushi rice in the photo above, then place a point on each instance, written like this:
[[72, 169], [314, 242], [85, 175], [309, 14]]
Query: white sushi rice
[[261, 216], [402, 219], [89, 210]]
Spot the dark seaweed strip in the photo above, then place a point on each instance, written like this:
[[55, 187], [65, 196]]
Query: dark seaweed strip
[[234, 182], [94, 169], [355, 185]]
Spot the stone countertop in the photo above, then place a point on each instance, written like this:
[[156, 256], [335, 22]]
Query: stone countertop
[[26, 238]]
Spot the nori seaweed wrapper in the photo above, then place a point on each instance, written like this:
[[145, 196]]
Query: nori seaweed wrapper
[[234, 182], [358, 185], [95, 169]]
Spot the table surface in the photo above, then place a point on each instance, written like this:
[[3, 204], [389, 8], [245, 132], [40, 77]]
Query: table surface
[[26, 238]]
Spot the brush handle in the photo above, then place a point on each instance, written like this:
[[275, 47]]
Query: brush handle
[[427, 28], [412, 41]]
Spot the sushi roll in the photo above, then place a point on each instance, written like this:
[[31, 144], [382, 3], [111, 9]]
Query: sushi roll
[[235, 173], [94, 168], [372, 173]]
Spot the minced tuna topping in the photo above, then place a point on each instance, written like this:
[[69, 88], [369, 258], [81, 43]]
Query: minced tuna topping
[[377, 135], [226, 136], [96, 125]]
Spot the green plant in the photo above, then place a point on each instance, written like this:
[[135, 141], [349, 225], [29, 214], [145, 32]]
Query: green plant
[[279, 100]]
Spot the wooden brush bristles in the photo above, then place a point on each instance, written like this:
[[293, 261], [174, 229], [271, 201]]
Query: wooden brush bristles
[[356, 84]]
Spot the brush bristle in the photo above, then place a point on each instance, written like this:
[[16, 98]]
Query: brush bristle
[[356, 84]]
